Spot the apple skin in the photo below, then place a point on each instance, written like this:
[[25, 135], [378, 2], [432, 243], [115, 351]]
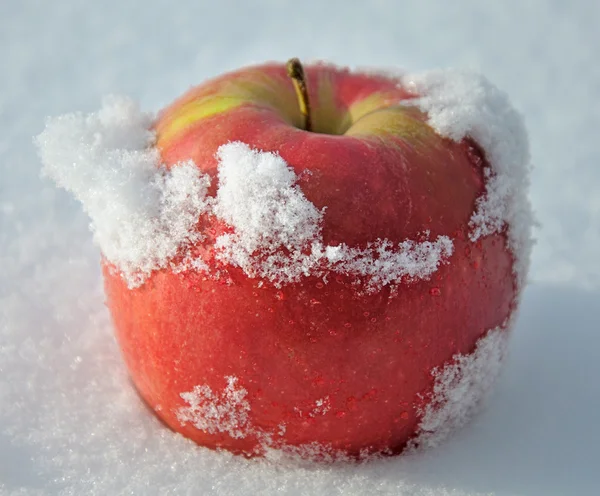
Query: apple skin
[[382, 172]]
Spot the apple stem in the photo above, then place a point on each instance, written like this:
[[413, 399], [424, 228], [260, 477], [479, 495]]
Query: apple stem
[[296, 73]]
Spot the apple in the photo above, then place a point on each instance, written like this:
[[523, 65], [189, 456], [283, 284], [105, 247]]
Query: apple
[[326, 331]]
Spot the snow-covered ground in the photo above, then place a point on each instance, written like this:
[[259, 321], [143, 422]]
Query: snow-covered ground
[[70, 422]]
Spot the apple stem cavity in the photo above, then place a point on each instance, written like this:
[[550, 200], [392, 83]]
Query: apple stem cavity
[[296, 73]]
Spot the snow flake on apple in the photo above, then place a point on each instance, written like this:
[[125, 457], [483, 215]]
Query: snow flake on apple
[[144, 215], [228, 411]]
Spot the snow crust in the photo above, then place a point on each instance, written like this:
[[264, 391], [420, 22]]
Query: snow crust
[[461, 104]]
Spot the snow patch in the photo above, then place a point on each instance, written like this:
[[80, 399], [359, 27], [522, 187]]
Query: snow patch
[[141, 213], [258, 197], [212, 412], [307, 455], [274, 224], [277, 231], [461, 104], [384, 263], [322, 406], [460, 389]]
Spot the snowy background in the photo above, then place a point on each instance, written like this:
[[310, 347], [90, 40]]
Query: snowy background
[[70, 422]]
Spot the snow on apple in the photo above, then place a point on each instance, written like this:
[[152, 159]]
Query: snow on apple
[[332, 292], [258, 197], [141, 213], [459, 389], [217, 412], [460, 104]]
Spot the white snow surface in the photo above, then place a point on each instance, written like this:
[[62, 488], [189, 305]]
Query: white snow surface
[[70, 421]]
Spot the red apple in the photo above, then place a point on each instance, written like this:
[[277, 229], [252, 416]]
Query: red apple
[[236, 359]]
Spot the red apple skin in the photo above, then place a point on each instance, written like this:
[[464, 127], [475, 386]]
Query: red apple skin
[[370, 356]]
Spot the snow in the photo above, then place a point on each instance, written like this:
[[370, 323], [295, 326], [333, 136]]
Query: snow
[[141, 212], [258, 197], [461, 104], [382, 263], [71, 423], [460, 389], [217, 412]]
